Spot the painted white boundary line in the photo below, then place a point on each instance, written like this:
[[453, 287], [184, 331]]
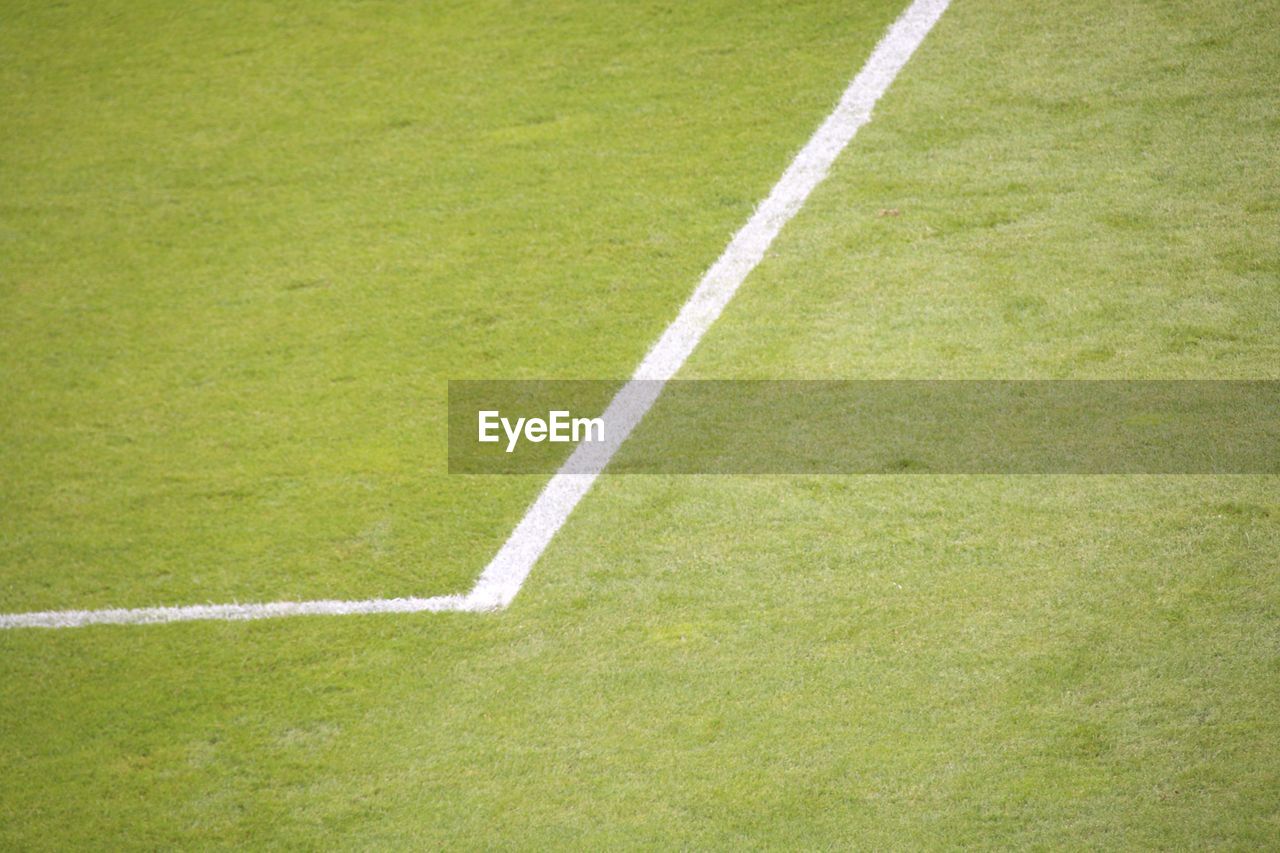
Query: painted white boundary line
[[506, 572]]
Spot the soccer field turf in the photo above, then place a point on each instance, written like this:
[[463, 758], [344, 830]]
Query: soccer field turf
[[243, 247], [246, 246]]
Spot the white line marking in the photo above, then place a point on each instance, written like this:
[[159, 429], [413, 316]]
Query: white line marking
[[506, 572], [229, 612]]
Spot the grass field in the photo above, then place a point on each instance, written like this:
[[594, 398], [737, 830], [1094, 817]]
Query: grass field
[[243, 246]]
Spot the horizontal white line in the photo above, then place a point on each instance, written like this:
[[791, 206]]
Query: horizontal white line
[[502, 578], [231, 612]]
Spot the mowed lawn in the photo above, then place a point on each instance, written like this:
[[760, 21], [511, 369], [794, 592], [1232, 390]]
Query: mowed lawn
[[244, 245], [1047, 191]]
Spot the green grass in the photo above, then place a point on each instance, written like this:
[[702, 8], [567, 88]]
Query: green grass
[[905, 661], [243, 246]]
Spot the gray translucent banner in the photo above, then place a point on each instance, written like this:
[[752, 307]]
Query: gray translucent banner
[[865, 427]]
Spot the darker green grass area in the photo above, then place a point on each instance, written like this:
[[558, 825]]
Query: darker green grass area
[[884, 661]]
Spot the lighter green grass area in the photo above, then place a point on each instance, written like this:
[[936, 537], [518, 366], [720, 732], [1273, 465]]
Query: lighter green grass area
[[1083, 190], [1085, 193], [243, 246]]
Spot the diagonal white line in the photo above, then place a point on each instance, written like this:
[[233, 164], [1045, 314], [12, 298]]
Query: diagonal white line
[[506, 572]]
